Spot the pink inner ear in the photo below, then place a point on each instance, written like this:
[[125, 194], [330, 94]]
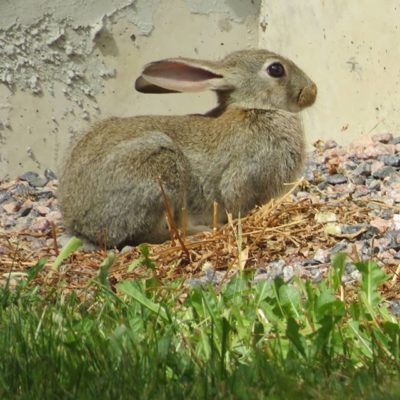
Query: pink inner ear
[[178, 71]]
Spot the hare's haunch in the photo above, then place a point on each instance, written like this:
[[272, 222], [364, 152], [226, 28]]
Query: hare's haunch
[[241, 154]]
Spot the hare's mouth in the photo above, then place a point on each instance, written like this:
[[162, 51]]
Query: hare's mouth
[[307, 96]]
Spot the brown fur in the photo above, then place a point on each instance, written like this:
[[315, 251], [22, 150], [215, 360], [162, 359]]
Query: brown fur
[[240, 154]]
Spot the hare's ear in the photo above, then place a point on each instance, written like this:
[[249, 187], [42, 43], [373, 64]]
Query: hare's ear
[[179, 75]]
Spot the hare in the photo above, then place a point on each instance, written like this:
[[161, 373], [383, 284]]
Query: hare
[[240, 154]]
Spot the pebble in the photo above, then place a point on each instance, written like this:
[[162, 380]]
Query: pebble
[[336, 179], [338, 247], [23, 189], [41, 224], [288, 273], [4, 196], [390, 160], [368, 169], [364, 169], [311, 262], [25, 210], [49, 174], [383, 172], [34, 179], [11, 208], [322, 256], [374, 185], [42, 210], [395, 140], [330, 144], [382, 137], [394, 306]]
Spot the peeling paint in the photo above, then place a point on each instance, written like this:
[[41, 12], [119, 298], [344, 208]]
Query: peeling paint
[[38, 50], [80, 13], [144, 19], [43, 52], [65, 63]]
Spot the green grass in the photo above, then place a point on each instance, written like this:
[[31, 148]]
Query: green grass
[[163, 340]]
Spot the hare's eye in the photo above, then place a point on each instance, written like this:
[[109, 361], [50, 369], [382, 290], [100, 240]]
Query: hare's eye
[[276, 70]]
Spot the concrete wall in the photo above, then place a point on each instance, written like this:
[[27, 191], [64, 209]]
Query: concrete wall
[[351, 49], [66, 63]]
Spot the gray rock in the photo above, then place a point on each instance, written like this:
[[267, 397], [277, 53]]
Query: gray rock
[[34, 179], [126, 249], [358, 179], [364, 169], [24, 211], [308, 171], [288, 273], [330, 144], [370, 233], [317, 276], [311, 261], [383, 172], [4, 196], [350, 165], [351, 229], [22, 189], [336, 179], [357, 194], [341, 246], [349, 267], [395, 140], [275, 268], [322, 255], [374, 185], [386, 213], [49, 174], [390, 160], [393, 238], [46, 194], [394, 306]]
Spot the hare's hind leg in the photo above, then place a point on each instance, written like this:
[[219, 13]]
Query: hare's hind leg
[[130, 196]]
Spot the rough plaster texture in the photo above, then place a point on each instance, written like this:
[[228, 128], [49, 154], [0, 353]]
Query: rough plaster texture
[[351, 49], [66, 63]]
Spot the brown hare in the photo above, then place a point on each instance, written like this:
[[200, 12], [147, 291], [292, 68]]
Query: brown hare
[[240, 154]]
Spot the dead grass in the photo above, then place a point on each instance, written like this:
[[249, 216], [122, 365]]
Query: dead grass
[[284, 228]]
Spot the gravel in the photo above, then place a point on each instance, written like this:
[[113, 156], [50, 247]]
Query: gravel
[[367, 170]]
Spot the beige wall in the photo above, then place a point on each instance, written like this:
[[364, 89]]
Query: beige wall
[[65, 63], [352, 50]]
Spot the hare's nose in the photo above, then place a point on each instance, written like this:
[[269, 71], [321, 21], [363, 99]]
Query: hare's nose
[[307, 95]]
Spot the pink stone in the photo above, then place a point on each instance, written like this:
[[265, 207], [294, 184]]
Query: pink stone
[[382, 137], [379, 149], [42, 210], [394, 195], [376, 165], [8, 184], [381, 224], [362, 141], [11, 208], [396, 222], [40, 224], [54, 216]]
